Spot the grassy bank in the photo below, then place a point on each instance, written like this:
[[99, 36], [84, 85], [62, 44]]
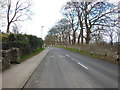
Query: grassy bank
[[100, 57], [23, 58]]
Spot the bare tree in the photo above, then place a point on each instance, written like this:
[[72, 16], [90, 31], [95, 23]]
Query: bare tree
[[97, 36], [90, 15], [70, 14], [97, 14], [49, 40], [79, 15], [2, 12], [86, 19], [64, 31], [111, 32], [2, 7], [17, 11], [60, 33]]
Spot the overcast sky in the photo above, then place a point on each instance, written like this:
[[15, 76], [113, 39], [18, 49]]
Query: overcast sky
[[46, 13]]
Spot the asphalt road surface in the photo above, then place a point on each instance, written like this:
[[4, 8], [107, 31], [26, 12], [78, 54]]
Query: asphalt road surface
[[65, 69]]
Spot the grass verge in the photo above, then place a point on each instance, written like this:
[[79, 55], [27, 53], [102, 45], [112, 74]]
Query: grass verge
[[23, 58], [100, 57]]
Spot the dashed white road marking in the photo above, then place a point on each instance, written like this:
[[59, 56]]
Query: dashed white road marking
[[36, 81], [52, 56], [82, 65], [67, 55], [61, 56], [77, 62]]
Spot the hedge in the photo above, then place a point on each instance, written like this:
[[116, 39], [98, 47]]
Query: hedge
[[26, 43]]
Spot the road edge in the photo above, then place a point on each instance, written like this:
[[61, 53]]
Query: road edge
[[32, 72]]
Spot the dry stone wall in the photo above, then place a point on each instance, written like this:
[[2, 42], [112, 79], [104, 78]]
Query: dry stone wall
[[110, 51], [9, 57]]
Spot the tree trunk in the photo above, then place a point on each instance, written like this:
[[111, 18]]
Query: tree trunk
[[79, 38], [74, 38], [69, 39], [8, 27], [88, 36], [88, 31], [111, 41], [81, 26], [87, 39], [82, 36]]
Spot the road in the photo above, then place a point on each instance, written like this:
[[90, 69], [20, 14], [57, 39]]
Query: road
[[65, 69]]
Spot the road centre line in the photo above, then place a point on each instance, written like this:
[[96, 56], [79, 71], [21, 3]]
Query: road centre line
[[82, 65], [52, 56], [67, 55], [78, 63]]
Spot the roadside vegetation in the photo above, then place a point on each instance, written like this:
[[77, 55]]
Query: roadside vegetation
[[25, 57], [94, 55], [26, 43], [17, 48]]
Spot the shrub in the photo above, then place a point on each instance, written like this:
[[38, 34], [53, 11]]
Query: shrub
[[26, 43]]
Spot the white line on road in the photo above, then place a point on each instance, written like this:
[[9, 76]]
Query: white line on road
[[82, 65], [77, 62], [52, 56], [67, 55]]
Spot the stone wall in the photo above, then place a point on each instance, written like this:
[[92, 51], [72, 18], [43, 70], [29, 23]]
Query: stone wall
[[104, 50], [6, 59], [14, 55], [109, 51], [9, 57]]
